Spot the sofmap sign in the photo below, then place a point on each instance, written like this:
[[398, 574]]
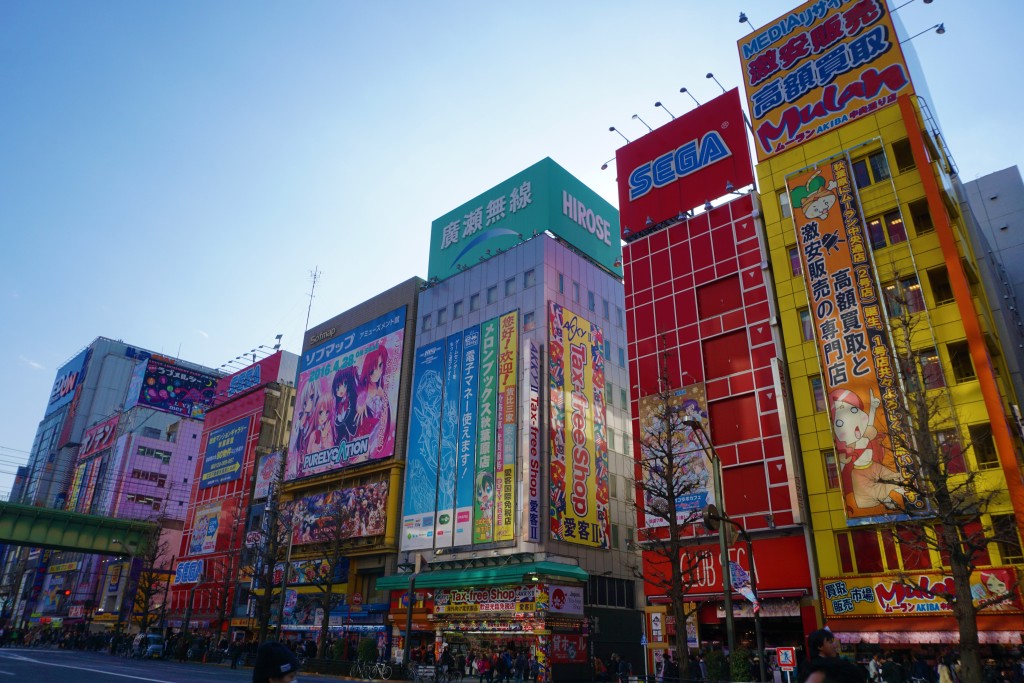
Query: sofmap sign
[[684, 163], [824, 64], [543, 197]]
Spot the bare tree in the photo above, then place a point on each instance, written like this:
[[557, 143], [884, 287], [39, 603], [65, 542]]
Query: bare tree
[[229, 578], [935, 487], [151, 586], [332, 553], [275, 531], [672, 491]]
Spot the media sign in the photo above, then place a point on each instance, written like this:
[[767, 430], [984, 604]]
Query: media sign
[[543, 197], [683, 164], [68, 379], [819, 67], [172, 389]]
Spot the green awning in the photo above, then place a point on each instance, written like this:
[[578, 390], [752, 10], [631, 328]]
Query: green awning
[[483, 576]]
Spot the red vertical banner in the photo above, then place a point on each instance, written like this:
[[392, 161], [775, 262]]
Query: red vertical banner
[[859, 373]]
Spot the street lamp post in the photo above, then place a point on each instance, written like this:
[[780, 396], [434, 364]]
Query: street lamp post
[[758, 635], [723, 548]]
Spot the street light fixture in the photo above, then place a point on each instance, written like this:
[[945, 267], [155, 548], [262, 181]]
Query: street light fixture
[[712, 519], [723, 549]]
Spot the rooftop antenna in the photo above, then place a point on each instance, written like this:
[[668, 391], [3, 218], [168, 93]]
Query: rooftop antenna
[[314, 276]]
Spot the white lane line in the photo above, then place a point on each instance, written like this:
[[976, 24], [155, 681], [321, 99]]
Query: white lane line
[[98, 671], [7, 673]]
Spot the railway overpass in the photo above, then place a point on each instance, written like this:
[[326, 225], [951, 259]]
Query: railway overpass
[[40, 527]]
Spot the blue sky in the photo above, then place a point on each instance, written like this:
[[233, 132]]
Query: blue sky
[[172, 172]]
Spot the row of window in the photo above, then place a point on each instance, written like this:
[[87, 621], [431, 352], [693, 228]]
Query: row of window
[[611, 592], [156, 477], [144, 500], [458, 309], [149, 452], [869, 551]]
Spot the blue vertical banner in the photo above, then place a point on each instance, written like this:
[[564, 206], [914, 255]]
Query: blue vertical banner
[[464, 485], [420, 501], [450, 422]]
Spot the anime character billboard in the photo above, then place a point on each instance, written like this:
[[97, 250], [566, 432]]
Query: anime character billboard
[[347, 391], [862, 389], [359, 511], [172, 388], [692, 486], [579, 449]]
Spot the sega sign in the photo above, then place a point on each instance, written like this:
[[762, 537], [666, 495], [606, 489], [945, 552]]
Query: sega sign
[[246, 379], [190, 571], [683, 164]]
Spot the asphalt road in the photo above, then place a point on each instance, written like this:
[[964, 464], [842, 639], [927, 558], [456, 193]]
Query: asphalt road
[[71, 666]]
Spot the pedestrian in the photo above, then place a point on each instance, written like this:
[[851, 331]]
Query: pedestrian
[[625, 670], [875, 669], [600, 670], [892, 672], [275, 663], [670, 669], [235, 653], [519, 667], [483, 668], [826, 664]]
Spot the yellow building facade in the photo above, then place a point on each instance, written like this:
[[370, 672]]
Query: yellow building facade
[[884, 144]]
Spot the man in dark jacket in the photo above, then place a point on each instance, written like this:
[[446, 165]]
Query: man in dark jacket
[[826, 664]]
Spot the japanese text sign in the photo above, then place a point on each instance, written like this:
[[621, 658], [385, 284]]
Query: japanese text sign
[[225, 451], [818, 67], [98, 437], [860, 378]]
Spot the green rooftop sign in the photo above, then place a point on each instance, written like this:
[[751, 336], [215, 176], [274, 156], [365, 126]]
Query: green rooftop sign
[[543, 197]]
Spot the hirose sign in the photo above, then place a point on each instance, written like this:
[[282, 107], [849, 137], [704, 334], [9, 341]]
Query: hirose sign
[[543, 197], [822, 65], [684, 163]]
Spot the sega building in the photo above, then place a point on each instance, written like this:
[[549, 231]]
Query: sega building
[[856, 179], [242, 439], [703, 335], [515, 527]]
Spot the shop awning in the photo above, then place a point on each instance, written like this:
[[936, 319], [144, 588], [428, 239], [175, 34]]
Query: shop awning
[[483, 576], [926, 637]]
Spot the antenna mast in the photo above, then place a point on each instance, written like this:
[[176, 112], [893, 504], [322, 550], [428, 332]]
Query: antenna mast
[[314, 276]]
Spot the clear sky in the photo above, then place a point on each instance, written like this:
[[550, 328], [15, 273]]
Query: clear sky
[[171, 172]]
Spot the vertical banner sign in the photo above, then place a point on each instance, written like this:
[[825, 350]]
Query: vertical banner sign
[[419, 505], [693, 489], [464, 484], [579, 452], [532, 517], [446, 471], [483, 506], [850, 329], [508, 421], [819, 67], [76, 485]]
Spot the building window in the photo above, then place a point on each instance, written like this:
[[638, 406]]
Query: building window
[[492, 294], [888, 226], [457, 309], [904, 297], [984, 446], [619, 316], [163, 456], [474, 301], [1004, 528], [529, 321], [845, 552], [426, 323], [607, 349], [806, 324], [818, 391], [794, 260], [831, 469], [591, 301], [913, 549], [561, 284], [921, 217], [960, 361], [784, 207], [510, 286], [622, 357], [605, 312], [949, 451], [609, 396], [611, 439], [622, 397], [942, 290], [867, 551], [442, 316], [576, 291], [931, 369], [529, 278], [151, 432], [871, 169], [903, 155]]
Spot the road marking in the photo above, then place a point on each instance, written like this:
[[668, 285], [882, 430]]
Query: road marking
[[7, 673], [84, 668]]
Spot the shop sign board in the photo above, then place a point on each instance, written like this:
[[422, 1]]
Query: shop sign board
[[579, 446], [525, 598], [819, 67], [912, 595], [566, 599]]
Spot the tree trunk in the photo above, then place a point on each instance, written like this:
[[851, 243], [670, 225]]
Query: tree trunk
[[966, 615], [325, 623], [682, 647]]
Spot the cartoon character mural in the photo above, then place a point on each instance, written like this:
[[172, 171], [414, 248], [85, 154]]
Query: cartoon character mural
[[868, 480], [816, 198]]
